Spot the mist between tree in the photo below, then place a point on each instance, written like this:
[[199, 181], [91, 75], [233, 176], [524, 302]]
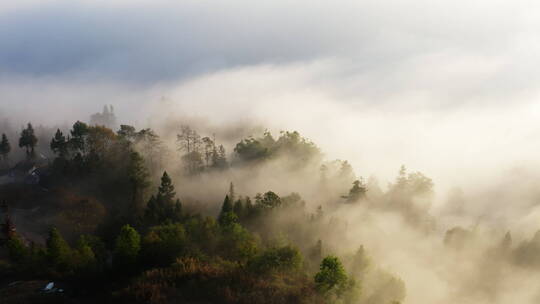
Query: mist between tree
[[184, 199]]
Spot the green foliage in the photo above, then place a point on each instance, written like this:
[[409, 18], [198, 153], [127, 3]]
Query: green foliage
[[290, 145], [58, 250], [231, 258], [77, 141], [96, 245], [127, 133], [127, 248], [226, 215], [203, 234], [280, 259], [18, 252], [162, 206], [236, 243], [269, 200], [332, 275], [163, 244], [84, 260], [251, 149]]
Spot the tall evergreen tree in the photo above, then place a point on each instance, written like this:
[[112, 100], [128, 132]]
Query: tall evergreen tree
[[226, 215], [5, 148], [28, 140], [166, 189], [59, 144], [163, 206]]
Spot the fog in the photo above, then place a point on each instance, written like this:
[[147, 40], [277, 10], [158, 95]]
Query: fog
[[447, 89]]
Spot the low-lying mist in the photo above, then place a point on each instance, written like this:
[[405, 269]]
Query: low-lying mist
[[447, 245]]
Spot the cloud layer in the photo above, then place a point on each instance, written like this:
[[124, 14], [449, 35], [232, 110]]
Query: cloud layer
[[425, 83]]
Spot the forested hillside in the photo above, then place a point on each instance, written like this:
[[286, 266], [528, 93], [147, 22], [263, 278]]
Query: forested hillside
[[123, 215], [105, 217]]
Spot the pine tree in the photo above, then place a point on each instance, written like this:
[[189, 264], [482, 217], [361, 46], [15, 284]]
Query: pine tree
[[166, 189], [59, 144], [226, 214], [163, 206], [28, 140], [5, 148]]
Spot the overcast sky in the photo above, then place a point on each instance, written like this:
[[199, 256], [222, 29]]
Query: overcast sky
[[447, 87]]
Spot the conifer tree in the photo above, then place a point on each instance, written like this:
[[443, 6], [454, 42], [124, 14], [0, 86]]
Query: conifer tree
[[226, 215], [166, 189], [28, 140], [59, 144], [162, 206]]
